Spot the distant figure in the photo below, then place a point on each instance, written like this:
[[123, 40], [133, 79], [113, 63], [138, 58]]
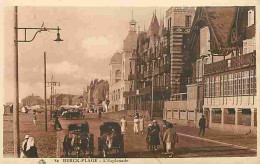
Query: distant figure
[[137, 114], [31, 150], [202, 125], [34, 119], [155, 139], [24, 145], [99, 114], [141, 125], [136, 125], [57, 124], [123, 125], [170, 137]]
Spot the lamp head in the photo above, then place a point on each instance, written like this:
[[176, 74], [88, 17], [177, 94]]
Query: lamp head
[[58, 39]]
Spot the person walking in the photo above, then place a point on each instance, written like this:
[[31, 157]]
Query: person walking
[[123, 125], [141, 125], [57, 123], [136, 125], [202, 125], [34, 119], [163, 129], [148, 136], [24, 145], [31, 150], [170, 137], [155, 139]]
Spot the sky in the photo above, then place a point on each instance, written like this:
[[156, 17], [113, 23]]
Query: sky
[[91, 36]]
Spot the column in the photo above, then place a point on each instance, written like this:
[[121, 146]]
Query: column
[[222, 116], [187, 115], [210, 116], [195, 115], [179, 114], [252, 117], [236, 116]]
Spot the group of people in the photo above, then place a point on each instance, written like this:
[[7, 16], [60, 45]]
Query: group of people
[[29, 149], [138, 124], [167, 134]]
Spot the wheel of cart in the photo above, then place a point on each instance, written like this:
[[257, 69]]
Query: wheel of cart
[[110, 139], [75, 141]]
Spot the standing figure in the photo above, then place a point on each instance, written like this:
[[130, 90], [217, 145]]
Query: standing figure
[[170, 137], [34, 119], [99, 114], [155, 140], [24, 145], [163, 129], [141, 125], [31, 150], [148, 136], [123, 125], [57, 124], [136, 125], [202, 125]]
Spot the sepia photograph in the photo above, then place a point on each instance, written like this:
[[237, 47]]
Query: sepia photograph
[[93, 83]]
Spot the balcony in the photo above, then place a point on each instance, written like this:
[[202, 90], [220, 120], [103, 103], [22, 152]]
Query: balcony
[[129, 93], [234, 63], [148, 90]]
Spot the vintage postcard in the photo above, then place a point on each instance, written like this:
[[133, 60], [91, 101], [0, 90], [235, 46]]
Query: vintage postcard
[[129, 83]]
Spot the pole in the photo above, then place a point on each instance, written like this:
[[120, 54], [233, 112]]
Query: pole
[[152, 96], [45, 92], [16, 90], [51, 99]]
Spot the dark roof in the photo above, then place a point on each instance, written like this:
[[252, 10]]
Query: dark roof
[[221, 21]]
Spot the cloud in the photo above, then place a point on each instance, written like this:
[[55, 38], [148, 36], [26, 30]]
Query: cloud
[[100, 47], [64, 67]]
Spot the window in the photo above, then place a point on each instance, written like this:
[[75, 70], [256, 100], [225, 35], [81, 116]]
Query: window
[[245, 83], [235, 84], [239, 80], [252, 82], [169, 22], [188, 21], [251, 18], [217, 86], [225, 85], [207, 88], [211, 89], [230, 84]]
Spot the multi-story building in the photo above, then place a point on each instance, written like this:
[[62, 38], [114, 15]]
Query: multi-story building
[[120, 70], [222, 64], [157, 65]]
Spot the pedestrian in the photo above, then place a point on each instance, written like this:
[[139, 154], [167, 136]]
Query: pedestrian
[[137, 114], [99, 114], [24, 145], [123, 125], [202, 125], [148, 136], [136, 125], [141, 124], [163, 129], [34, 119], [31, 150], [170, 137], [57, 123], [155, 139]]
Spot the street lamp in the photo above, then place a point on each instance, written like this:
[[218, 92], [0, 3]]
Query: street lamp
[[16, 86]]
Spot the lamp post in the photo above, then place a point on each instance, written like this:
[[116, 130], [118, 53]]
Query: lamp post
[[16, 74]]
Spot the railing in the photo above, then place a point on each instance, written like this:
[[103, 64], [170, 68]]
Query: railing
[[179, 97], [231, 64]]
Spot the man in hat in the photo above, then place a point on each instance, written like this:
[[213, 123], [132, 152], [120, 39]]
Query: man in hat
[[202, 125], [148, 136], [136, 125]]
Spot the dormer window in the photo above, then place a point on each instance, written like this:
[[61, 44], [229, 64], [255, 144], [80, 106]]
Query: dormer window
[[251, 18]]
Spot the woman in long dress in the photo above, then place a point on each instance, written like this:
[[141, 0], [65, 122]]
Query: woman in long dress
[[136, 125], [123, 125], [31, 150]]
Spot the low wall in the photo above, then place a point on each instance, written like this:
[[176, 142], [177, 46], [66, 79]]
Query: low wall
[[237, 129]]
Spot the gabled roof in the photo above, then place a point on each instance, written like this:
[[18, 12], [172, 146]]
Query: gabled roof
[[154, 26]]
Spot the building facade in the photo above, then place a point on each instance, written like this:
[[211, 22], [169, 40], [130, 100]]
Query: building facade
[[120, 70], [221, 59], [157, 65]]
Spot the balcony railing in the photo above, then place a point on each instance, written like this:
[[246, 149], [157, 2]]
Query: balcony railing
[[231, 64]]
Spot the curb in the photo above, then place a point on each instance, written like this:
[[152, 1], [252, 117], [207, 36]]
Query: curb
[[218, 142]]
